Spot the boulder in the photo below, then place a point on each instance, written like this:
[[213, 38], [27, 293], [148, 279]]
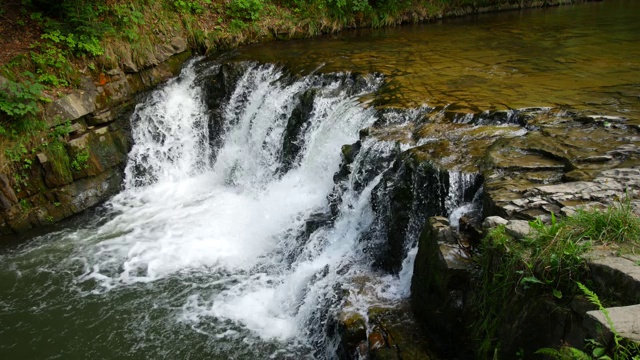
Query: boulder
[[616, 276], [519, 229], [179, 45], [440, 284], [491, 222], [73, 106]]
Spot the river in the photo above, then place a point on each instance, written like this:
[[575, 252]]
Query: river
[[229, 242]]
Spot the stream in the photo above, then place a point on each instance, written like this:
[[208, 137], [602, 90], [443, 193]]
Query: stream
[[242, 230]]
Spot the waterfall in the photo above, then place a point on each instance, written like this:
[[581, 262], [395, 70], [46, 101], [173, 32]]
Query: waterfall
[[233, 215], [241, 230]]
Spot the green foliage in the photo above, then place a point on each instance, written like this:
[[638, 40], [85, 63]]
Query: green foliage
[[19, 106], [126, 14], [545, 264], [616, 224], [190, 6], [20, 99], [52, 65], [18, 155], [15, 153], [564, 353], [245, 9], [79, 43], [61, 130], [80, 161], [25, 205], [620, 349]]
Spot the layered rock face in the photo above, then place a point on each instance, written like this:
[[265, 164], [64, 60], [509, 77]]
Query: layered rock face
[[81, 163], [556, 163]]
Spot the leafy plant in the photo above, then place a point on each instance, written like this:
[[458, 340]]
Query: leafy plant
[[80, 160], [245, 9], [20, 99], [190, 6]]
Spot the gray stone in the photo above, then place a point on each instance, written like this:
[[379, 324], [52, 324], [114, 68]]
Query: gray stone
[[613, 272], [599, 158], [117, 91], [101, 118], [126, 61], [625, 319], [77, 129], [179, 45], [518, 228], [71, 107], [519, 202], [101, 131], [42, 158], [163, 52], [493, 221], [80, 143]]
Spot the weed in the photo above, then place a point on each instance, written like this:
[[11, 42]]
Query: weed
[[60, 162], [190, 6], [25, 205], [80, 161]]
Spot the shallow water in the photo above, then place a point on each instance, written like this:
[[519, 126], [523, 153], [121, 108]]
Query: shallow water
[[585, 57], [201, 257]]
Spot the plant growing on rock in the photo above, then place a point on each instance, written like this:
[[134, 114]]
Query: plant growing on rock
[[620, 349], [545, 266]]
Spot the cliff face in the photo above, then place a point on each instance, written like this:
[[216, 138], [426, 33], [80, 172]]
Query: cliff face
[[81, 163]]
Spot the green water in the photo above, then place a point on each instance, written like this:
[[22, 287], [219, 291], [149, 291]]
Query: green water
[[585, 56]]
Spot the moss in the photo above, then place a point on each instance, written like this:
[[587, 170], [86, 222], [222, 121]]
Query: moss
[[60, 162]]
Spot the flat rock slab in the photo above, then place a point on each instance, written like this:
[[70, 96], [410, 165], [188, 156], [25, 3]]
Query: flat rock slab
[[620, 264], [625, 319], [617, 276]]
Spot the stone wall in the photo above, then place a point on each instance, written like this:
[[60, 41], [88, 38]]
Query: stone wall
[[57, 178]]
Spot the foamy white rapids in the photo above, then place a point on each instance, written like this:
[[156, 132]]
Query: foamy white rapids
[[237, 219]]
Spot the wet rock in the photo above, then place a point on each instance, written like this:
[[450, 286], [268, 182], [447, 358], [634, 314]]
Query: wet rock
[[565, 198], [409, 192], [441, 279], [393, 335], [352, 330], [296, 126]]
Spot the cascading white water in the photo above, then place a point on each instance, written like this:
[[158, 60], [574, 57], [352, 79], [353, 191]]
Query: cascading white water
[[238, 219], [215, 241]]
